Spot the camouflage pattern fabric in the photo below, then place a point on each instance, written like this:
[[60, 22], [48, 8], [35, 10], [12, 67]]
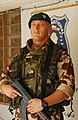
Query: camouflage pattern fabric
[[28, 63]]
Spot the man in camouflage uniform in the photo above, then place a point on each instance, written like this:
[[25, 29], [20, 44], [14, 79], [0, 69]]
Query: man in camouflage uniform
[[28, 64]]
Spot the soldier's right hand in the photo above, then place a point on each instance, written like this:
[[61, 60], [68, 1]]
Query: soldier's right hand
[[9, 91]]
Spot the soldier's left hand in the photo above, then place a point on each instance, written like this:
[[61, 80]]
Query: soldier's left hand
[[34, 106]]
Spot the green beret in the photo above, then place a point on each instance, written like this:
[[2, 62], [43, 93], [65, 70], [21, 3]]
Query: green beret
[[39, 16]]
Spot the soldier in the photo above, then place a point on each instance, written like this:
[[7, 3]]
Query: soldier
[[45, 68]]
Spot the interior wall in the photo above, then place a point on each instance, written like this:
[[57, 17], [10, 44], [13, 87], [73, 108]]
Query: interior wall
[[72, 35], [5, 113]]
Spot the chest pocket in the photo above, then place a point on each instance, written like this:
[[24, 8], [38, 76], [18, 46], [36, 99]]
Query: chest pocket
[[31, 70]]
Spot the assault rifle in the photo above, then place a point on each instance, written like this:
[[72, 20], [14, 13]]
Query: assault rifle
[[44, 114]]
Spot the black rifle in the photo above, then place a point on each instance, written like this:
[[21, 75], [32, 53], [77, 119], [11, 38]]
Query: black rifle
[[44, 115]]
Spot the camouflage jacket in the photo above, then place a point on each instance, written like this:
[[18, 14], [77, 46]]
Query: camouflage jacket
[[28, 64]]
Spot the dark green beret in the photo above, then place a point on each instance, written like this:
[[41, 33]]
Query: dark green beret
[[39, 16]]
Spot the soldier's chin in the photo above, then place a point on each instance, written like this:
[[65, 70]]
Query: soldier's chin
[[37, 43]]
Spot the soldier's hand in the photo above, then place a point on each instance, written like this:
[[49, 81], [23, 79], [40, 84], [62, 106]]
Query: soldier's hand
[[9, 91], [34, 106]]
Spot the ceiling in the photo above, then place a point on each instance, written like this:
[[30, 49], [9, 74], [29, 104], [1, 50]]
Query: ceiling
[[6, 5], [11, 4]]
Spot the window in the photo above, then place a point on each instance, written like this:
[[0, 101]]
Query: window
[[10, 38]]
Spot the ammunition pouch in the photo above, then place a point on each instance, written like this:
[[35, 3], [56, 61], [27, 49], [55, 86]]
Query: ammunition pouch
[[14, 103]]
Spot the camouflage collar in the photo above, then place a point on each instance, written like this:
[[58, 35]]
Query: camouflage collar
[[42, 49]]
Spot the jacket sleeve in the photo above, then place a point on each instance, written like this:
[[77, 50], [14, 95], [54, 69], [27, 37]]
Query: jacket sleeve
[[66, 75], [15, 66], [12, 69]]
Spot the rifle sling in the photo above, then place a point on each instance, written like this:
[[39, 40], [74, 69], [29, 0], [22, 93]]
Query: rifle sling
[[45, 69]]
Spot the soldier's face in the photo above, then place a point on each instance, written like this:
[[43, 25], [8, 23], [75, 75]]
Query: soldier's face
[[39, 31]]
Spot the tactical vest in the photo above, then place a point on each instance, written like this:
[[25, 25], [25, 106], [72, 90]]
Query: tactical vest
[[34, 62], [26, 63]]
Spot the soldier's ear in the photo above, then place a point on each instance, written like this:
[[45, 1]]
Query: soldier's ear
[[50, 30]]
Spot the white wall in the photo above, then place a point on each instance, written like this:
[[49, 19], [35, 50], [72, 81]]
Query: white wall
[[72, 35], [4, 113]]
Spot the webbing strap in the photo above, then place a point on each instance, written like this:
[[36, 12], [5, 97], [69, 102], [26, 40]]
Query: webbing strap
[[45, 69]]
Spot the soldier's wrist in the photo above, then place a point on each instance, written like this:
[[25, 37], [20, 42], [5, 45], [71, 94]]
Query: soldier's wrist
[[44, 103], [3, 82]]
